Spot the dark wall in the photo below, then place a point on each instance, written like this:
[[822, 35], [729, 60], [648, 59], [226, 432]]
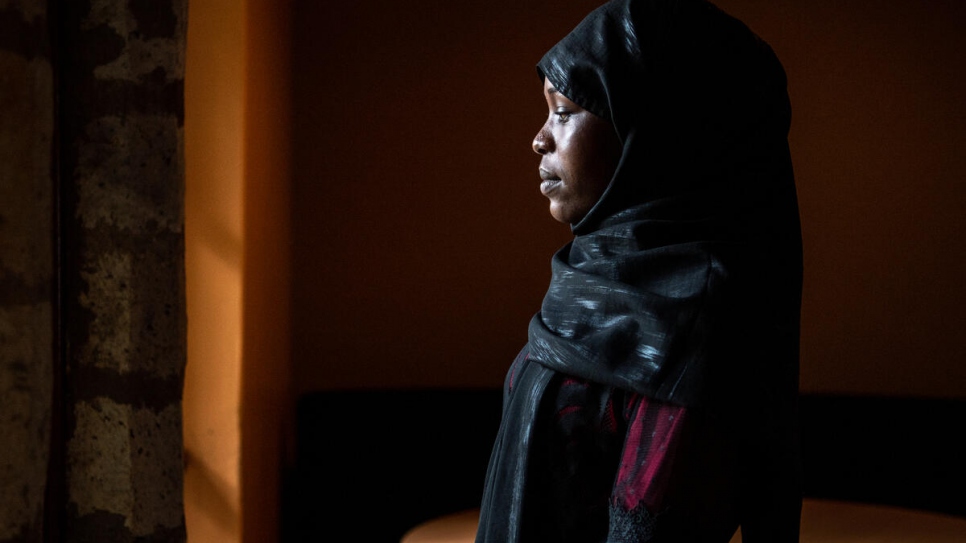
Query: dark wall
[[422, 244], [877, 125], [27, 298]]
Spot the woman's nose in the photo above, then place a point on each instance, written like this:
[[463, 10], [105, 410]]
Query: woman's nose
[[543, 142]]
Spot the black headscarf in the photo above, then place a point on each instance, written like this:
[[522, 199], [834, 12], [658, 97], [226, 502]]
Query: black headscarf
[[683, 282], [699, 225]]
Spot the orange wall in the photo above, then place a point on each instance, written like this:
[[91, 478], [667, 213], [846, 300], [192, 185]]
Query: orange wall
[[422, 245], [214, 243], [236, 401], [266, 409]]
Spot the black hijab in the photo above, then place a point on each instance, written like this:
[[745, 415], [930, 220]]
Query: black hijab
[[696, 239], [683, 282]]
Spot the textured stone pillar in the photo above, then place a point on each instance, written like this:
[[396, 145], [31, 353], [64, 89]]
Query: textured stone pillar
[[26, 266], [121, 66]]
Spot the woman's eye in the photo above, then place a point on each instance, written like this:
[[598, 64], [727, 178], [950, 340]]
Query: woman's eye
[[562, 116]]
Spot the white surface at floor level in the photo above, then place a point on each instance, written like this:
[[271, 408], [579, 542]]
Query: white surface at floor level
[[823, 521]]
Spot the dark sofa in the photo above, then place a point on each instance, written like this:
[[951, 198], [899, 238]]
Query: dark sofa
[[372, 464]]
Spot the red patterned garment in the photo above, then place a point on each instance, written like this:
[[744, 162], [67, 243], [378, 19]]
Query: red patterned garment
[[607, 457]]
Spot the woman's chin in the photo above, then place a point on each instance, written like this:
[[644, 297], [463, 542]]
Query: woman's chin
[[556, 212], [563, 213]]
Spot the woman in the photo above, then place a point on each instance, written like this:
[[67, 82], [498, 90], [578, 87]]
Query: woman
[[656, 397]]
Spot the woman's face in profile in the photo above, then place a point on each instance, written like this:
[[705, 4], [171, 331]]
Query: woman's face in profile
[[579, 152]]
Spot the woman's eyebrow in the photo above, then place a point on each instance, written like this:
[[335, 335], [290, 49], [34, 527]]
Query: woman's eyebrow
[[551, 90]]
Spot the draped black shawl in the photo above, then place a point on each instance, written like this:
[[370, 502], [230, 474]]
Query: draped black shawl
[[683, 283]]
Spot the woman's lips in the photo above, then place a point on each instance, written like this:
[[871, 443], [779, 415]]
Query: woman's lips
[[550, 181], [548, 186]]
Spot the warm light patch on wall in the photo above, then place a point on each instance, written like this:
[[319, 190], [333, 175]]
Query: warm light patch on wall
[[214, 112]]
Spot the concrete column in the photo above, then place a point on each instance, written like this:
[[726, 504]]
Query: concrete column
[[121, 66], [26, 266]]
